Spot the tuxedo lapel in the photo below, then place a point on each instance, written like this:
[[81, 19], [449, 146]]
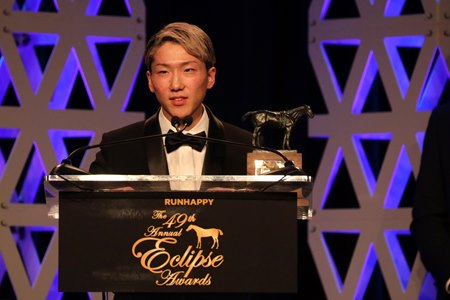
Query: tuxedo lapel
[[215, 153], [156, 157]]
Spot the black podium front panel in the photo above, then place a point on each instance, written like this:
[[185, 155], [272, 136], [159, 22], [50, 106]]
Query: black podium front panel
[[178, 242]]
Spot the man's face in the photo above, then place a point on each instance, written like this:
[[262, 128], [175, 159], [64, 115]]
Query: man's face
[[179, 81]]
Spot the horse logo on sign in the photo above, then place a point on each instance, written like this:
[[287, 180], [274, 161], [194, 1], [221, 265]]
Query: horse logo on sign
[[202, 233]]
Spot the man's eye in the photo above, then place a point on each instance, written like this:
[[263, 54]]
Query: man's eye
[[189, 70], [162, 72]]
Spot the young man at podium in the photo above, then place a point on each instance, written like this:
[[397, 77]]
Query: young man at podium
[[180, 60]]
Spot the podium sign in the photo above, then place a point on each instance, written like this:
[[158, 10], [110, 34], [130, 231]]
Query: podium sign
[[178, 241]]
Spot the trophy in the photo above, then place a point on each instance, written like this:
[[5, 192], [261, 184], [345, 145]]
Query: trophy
[[260, 162]]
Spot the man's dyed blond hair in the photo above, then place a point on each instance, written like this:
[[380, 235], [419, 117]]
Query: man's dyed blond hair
[[192, 38]]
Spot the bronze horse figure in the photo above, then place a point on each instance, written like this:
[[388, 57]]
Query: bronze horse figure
[[285, 119]]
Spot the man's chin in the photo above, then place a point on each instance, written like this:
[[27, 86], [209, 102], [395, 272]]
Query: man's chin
[[183, 112], [174, 112], [181, 115]]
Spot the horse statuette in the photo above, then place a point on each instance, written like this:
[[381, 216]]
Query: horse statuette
[[285, 119]]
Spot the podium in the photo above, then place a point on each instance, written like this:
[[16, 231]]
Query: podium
[[133, 233]]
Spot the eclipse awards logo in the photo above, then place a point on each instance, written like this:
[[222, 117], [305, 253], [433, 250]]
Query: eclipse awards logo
[[186, 264]]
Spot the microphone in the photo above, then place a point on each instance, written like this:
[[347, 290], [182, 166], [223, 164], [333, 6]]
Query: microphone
[[186, 122], [66, 167], [176, 123]]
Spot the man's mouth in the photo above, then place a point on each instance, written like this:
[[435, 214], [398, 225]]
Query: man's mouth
[[178, 100]]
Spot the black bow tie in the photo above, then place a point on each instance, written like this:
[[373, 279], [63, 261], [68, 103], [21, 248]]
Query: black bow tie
[[174, 141]]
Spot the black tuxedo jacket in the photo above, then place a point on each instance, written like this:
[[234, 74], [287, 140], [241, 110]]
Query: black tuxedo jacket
[[431, 212], [148, 157]]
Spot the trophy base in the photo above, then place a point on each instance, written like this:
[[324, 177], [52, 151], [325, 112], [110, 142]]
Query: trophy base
[[261, 162]]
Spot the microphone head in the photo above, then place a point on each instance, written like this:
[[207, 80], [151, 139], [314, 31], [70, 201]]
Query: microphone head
[[175, 122], [187, 121]]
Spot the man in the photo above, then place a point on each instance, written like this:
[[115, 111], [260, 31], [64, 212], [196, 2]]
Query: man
[[180, 60], [431, 212]]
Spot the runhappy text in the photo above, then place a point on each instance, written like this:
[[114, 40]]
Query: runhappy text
[[187, 201]]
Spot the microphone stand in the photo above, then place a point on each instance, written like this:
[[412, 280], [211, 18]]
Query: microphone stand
[[289, 166], [66, 167]]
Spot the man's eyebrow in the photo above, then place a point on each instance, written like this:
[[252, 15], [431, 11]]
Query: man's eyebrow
[[181, 63]]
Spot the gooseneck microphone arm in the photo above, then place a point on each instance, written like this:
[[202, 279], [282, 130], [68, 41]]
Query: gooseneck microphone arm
[[78, 150], [66, 167], [176, 122], [289, 166], [187, 121], [218, 141]]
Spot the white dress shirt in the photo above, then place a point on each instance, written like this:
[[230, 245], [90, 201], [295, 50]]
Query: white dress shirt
[[185, 160]]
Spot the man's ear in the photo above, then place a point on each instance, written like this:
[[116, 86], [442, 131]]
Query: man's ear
[[150, 82], [211, 77]]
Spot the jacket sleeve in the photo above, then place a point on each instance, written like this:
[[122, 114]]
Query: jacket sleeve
[[101, 164], [124, 157]]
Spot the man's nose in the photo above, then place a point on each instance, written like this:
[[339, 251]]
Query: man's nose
[[176, 82]]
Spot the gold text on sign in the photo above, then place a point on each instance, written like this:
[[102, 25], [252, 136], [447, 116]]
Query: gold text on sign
[[179, 219], [187, 201], [158, 260]]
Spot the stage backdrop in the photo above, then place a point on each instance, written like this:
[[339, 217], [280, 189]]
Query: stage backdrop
[[381, 66], [57, 92]]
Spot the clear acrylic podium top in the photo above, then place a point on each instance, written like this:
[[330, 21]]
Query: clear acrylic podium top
[[269, 183], [301, 184]]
